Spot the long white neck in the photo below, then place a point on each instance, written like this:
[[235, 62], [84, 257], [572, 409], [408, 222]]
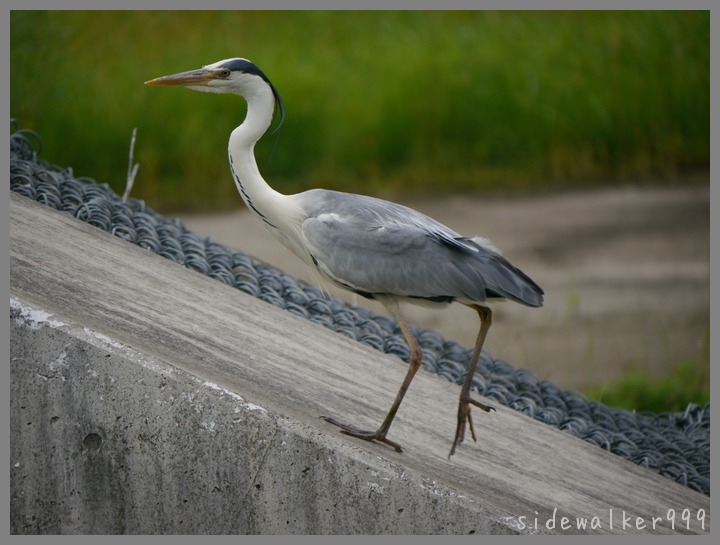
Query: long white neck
[[280, 213], [254, 190]]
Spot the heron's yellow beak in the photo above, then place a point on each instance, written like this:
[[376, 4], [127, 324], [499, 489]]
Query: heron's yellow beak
[[193, 77]]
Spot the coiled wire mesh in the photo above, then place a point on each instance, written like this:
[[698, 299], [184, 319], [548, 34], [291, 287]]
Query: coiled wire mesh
[[674, 444]]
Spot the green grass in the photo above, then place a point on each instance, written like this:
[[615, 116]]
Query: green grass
[[377, 102], [689, 382]]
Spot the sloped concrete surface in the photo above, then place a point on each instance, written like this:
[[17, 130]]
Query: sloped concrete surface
[[147, 398]]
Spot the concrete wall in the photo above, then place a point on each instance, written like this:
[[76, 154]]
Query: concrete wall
[[147, 398], [110, 440]]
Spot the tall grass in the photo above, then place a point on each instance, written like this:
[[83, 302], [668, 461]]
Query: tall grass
[[689, 382], [378, 102]]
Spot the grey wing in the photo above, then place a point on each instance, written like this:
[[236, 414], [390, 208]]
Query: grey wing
[[373, 254], [363, 211]]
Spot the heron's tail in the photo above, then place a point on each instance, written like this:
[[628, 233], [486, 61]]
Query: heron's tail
[[502, 279]]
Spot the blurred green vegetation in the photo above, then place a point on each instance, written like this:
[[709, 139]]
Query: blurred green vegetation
[[689, 382], [377, 102]]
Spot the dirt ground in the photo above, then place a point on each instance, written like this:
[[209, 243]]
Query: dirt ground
[[626, 274]]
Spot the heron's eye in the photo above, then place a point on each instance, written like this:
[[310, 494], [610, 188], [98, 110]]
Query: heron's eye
[[224, 73]]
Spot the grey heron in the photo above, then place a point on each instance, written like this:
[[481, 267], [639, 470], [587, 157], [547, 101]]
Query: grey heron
[[375, 248]]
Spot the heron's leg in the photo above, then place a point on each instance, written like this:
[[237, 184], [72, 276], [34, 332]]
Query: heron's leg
[[415, 363], [464, 416]]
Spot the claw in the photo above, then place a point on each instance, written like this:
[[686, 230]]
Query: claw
[[465, 417], [349, 429]]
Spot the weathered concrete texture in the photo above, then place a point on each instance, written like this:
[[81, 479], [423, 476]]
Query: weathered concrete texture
[[109, 440], [147, 398]]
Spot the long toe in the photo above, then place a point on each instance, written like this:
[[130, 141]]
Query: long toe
[[486, 408], [459, 432], [464, 419], [354, 431]]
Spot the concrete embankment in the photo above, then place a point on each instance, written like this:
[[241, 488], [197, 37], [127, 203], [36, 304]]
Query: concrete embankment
[[147, 398]]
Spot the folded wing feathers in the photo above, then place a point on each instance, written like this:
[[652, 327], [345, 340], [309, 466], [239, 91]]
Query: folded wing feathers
[[470, 269]]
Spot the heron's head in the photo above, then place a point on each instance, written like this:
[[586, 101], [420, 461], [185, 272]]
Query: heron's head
[[237, 76]]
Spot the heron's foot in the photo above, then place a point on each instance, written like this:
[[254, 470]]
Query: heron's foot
[[363, 434], [465, 418]]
